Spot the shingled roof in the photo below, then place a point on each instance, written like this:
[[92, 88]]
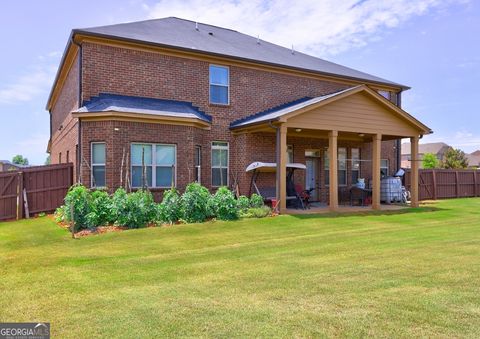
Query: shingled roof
[[130, 104], [203, 38]]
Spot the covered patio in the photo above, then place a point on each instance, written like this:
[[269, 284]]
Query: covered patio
[[357, 114]]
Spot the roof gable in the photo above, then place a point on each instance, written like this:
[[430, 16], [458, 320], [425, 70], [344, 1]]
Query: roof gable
[[357, 103]]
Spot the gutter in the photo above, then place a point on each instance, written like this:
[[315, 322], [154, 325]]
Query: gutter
[[399, 141], [80, 104]]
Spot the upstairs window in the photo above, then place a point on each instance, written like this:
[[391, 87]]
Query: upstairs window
[[219, 83]]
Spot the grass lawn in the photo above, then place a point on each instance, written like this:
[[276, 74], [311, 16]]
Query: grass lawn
[[414, 273]]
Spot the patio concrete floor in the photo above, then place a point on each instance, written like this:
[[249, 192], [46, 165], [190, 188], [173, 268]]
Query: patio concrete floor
[[345, 209]]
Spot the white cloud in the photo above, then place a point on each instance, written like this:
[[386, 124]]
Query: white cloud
[[323, 27], [36, 80]]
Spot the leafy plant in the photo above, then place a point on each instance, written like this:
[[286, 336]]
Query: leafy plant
[[224, 205], [256, 201], [169, 210], [101, 209], [429, 161], [256, 212], [195, 203], [243, 203], [134, 210], [454, 159], [78, 199], [60, 214], [20, 160]]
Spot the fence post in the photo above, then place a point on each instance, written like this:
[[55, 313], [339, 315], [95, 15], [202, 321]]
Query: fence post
[[475, 183], [457, 185], [20, 196], [434, 182]]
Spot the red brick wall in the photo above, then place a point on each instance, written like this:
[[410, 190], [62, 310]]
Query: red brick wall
[[107, 69], [64, 127]]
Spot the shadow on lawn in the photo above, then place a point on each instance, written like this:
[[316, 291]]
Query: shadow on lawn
[[423, 209]]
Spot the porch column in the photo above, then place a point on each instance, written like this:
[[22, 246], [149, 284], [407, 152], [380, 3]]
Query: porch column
[[333, 171], [414, 171], [282, 167], [376, 159]]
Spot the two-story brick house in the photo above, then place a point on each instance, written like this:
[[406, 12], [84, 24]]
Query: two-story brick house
[[187, 102]]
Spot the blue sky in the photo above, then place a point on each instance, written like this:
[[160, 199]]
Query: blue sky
[[432, 46]]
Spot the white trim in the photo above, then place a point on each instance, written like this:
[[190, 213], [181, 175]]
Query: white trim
[[352, 160], [99, 164], [198, 150], [216, 147], [387, 167], [210, 84], [153, 165]]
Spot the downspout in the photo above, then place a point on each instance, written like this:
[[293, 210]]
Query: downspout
[[80, 104], [399, 141]]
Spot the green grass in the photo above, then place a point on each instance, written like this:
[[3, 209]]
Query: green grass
[[397, 274]]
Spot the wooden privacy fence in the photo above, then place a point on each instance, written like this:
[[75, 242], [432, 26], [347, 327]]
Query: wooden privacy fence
[[33, 190], [445, 183]]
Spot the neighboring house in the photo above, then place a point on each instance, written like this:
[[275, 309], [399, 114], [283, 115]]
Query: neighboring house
[[200, 103], [436, 148], [6, 165], [473, 159]]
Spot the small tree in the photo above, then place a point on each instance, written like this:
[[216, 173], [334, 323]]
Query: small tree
[[20, 160], [429, 161], [454, 159], [48, 161]]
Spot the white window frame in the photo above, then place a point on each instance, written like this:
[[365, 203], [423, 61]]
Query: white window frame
[[222, 85], [385, 167], [353, 161], [290, 154], [92, 164], [198, 167], [154, 164], [342, 170], [217, 147]]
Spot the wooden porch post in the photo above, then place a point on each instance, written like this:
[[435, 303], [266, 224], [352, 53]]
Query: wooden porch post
[[376, 159], [333, 171], [414, 171], [282, 167]]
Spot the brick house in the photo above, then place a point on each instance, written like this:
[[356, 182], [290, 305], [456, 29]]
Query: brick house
[[437, 148], [195, 102]]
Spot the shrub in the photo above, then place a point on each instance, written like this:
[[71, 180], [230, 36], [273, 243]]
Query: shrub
[[60, 214], [101, 209], [243, 203], [119, 203], [195, 203], [256, 212], [223, 204], [169, 209], [256, 201], [135, 209], [78, 198]]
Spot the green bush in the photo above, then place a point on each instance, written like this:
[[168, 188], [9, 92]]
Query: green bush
[[256, 212], [100, 210], [195, 203], [256, 201], [78, 198], [135, 209], [243, 203], [60, 214], [169, 210], [119, 203], [224, 205]]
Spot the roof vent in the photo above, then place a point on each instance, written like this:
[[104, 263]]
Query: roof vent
[[196, 26], [210, 33], [293, 51], [258, 39]]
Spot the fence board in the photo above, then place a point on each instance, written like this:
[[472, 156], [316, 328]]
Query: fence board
[[45, 187], [444, 183]]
